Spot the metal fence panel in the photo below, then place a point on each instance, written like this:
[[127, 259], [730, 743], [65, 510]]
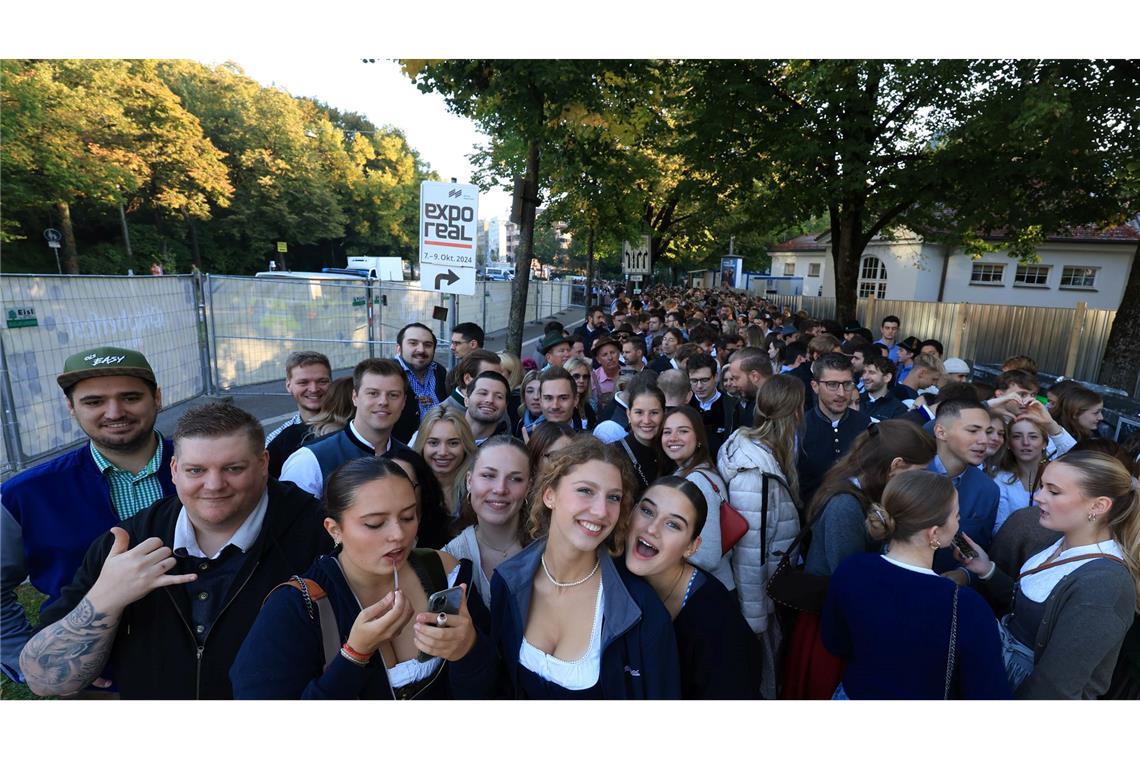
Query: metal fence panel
[[256, 323], [1094, 340], [155, 315]]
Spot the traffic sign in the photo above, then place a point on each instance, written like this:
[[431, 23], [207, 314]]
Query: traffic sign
[[635, 256], [449, 220], [53, 244], [445, 279], [282, 247], [53, 235]]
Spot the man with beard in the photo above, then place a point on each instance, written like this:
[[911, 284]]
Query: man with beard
[[427, 381], [877, 399], [52, 512], [486, 411], [749, 368]]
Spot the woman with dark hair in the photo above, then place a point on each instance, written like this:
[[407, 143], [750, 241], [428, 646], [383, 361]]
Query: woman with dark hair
[[685, 442], [1073, 602], [437, 527], [836, 529], [547, 439], [494, 528], [718, 654], [1079, 410], [902, 630], [642, 445], [374, 583], [568, 622]]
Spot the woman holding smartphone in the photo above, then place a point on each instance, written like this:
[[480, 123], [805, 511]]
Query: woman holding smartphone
[[718, 654], [569, 622], [378, 586]]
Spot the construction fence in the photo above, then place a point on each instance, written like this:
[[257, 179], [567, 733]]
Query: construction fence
[[1067, 342], [206, 334]]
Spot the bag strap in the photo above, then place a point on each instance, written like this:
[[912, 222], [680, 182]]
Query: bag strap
[[1059, 562], [636, 464], [704, 475], [953, 651], [325, 618], [803, 534], [429, 569]]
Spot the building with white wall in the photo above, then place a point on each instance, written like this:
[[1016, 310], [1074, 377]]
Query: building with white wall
[[1079, 265], [492, 242]]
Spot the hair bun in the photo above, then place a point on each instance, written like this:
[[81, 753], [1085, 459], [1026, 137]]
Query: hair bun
[[880, 525]]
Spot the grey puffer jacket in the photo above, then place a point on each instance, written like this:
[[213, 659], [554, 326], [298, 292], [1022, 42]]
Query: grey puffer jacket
[[754, 479]]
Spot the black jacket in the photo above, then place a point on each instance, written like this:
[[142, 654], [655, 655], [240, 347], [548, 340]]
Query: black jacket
[[886, 408], [155, 654]]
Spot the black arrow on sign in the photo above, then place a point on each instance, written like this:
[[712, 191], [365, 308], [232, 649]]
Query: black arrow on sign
[[451, 278]]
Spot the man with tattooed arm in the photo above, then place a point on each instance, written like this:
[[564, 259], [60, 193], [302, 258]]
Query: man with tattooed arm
[[167, 597]]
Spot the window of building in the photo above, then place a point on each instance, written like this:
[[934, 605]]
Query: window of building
[[1078, 277], [872, 278], [1031, 275], [813, 270], [789, 269], [987, 274]]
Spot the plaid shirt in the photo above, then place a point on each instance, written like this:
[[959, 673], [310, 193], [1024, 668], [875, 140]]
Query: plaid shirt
[[131, 493]]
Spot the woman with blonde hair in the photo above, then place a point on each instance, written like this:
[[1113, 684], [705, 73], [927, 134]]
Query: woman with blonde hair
[[336, 409], [512, 367], [568, 621], [530, 409], [759, 465], [585, 417], [445, 442], [902, 630], [1073, 602]]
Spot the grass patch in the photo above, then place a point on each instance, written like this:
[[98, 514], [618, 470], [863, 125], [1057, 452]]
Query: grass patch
[[31, 601]]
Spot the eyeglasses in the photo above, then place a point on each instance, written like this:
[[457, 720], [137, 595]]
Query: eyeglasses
[[700, 380], [835, 385]]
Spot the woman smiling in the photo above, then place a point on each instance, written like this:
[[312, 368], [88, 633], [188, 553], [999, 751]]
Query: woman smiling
[[569, 622], [445, 442], [643, 443], [718, 654]]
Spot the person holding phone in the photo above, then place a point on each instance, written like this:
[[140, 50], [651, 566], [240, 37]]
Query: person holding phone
[[378, 586], [719, 656], [568, 622], [903, 631], [1073, 602]]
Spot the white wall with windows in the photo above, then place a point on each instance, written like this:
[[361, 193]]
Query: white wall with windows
[[1066, 274], [814, 267]]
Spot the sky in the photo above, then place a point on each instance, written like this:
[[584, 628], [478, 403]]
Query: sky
[[381, 92]]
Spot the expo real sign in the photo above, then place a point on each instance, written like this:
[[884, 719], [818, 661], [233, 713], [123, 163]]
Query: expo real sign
[[449, 215]]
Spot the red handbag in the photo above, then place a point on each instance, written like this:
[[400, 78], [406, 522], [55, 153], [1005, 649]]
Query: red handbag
[[733, 526]]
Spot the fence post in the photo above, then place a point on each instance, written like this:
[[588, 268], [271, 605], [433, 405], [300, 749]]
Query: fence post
[[1075, 337], [212, 336], [11, 433], [203, 335], [956, 332], [368, 296]]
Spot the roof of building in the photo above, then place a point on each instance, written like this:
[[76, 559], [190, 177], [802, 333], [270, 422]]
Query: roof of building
[[810, 242], [1122, 233]]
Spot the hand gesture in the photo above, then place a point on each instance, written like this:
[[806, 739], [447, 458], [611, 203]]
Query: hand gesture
[[979, 565], [1035, 411], [130, 574], [1009, 407], [451, 641], [380, 622]]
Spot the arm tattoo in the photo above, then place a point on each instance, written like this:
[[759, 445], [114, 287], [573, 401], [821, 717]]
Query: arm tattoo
[[68, 655]]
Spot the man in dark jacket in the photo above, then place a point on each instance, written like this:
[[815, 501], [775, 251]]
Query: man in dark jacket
[[877, 399], [167, 598], [52, 512], [830, 426]]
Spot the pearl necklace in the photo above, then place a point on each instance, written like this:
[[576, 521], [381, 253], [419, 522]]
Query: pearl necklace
[[559, 584]]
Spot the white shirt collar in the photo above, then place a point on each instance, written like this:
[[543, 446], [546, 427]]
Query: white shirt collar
[[243, 538], [905, 566], [706, 405], [356, 433]]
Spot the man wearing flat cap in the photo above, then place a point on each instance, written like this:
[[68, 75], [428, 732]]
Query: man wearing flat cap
[[52, 512]]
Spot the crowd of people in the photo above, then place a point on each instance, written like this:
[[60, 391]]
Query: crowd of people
[[694, 494]]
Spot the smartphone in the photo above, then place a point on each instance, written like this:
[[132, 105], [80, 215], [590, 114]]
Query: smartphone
[[447, 602], [964, 547]]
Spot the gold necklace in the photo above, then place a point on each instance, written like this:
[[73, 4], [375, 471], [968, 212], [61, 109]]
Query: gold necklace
[[483, 542]]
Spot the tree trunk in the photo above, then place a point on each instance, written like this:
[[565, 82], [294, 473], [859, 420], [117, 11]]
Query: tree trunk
[[590, 270], [523, 253], [1121, 363], [70, 252], [846, 250]]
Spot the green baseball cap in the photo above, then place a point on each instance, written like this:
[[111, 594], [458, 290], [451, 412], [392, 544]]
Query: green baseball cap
[[103, 361]]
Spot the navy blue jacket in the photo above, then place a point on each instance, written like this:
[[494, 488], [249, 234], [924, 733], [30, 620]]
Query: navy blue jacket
[[639, 649], [821, 445], [720, 656], [886, 408], [283, 656]]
